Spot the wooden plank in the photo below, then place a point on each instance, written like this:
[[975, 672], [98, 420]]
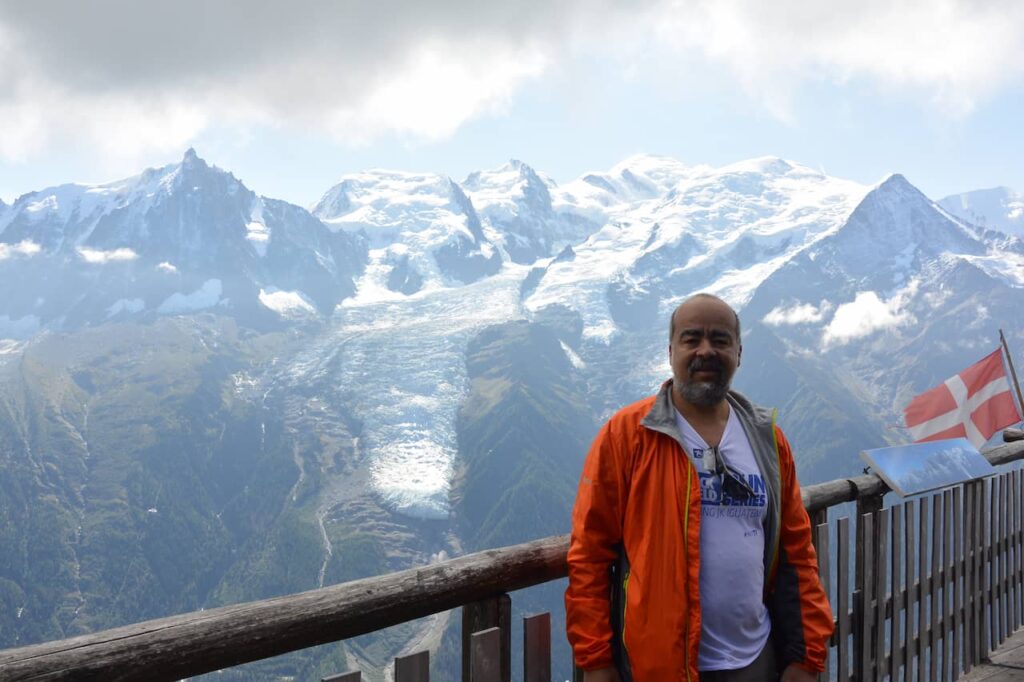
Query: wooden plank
[[1018, 548], [978, 537], [997, 553], [986, 574], [912, 554], [969, 538], [537, 648], [1015, 544], [482, 615], [934, 586], [993, 565], [866, 561], [957, 571], [413, 668], [173, 648], [883, 520], [485, 655], [824, 574], [923, 630], [1004, 551], [344, 677], [948, 586], [843, 598], [899, 594]]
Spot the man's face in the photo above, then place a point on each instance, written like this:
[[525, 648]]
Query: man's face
[[704, 351]]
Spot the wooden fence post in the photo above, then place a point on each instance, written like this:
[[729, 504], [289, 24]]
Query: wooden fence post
[[537, 648], [482, 615], [413, 668], [485, 655], [865, 568], [862, 640]]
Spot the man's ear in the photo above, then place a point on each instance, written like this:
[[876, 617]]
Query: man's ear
[[739, 356]]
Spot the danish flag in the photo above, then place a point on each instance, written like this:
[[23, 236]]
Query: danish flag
[[973, 404]]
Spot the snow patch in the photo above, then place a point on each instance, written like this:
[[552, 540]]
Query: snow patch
[[9, 346], [574, 358], [204, 297], [22, 248], [286, 303], [100, 257], [1007, 266], [256, 230]]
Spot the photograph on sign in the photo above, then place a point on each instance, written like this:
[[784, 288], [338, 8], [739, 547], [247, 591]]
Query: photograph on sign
[[920, 467]]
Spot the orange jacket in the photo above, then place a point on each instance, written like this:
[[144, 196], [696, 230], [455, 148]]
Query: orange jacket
[[636, 541]]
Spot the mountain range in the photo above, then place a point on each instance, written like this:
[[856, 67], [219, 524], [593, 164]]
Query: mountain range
[[208, 396]]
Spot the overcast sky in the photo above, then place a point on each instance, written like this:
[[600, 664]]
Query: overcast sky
[[290, 96]]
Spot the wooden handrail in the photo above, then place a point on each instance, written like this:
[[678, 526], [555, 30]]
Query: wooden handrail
[[204, 641]]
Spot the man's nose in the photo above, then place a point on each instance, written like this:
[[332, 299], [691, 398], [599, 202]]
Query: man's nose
[[705, 349]]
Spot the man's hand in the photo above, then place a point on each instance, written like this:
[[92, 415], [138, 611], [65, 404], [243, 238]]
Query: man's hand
[[602, 675], [792, 673]]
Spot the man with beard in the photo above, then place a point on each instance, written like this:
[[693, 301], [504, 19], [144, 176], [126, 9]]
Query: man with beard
[[691, 555]]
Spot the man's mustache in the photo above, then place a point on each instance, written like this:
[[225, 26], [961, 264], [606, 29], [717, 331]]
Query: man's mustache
[[705, 365]]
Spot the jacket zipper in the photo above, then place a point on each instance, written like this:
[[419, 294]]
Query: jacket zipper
[[686, 554], [776, 536]]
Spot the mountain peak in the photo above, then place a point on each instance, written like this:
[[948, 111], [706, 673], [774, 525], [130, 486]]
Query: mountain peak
[[191, 160]]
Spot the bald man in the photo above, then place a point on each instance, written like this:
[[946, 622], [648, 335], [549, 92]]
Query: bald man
[[691, 555]]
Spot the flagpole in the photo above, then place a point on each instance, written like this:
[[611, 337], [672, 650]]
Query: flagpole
[[1013, 372]]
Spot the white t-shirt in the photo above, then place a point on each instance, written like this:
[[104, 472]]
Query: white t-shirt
[[734, 620]]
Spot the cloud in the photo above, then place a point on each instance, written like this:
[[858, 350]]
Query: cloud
[[22, 248], [866, 315], [96, 256], [803, 313], [122, 75], [167, 267], [955, 52]]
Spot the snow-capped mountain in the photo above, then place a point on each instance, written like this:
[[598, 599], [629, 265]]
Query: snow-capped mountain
[[423, 230], [999, 208], [518, 204], [454, 318], [177, 239]]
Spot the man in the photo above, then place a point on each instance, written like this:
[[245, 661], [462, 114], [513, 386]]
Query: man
[[691, 555]]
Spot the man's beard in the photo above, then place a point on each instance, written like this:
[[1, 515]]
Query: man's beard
[[704, 393]]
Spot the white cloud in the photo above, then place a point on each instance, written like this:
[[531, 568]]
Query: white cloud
[[22, 248], [866, 315], [87, 73], [803, 313], [954, 52], [99, 257], [167, 267]]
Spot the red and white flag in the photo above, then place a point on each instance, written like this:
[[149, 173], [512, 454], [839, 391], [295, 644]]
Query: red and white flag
[[973, 404]]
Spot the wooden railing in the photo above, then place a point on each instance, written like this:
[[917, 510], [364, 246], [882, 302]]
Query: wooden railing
[[934, 619], [938, 581]]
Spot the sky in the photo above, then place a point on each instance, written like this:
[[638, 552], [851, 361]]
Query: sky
[[291, 96]]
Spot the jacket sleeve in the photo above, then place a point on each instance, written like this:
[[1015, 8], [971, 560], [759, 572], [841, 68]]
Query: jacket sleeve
[[799, 606], [593, 547]]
